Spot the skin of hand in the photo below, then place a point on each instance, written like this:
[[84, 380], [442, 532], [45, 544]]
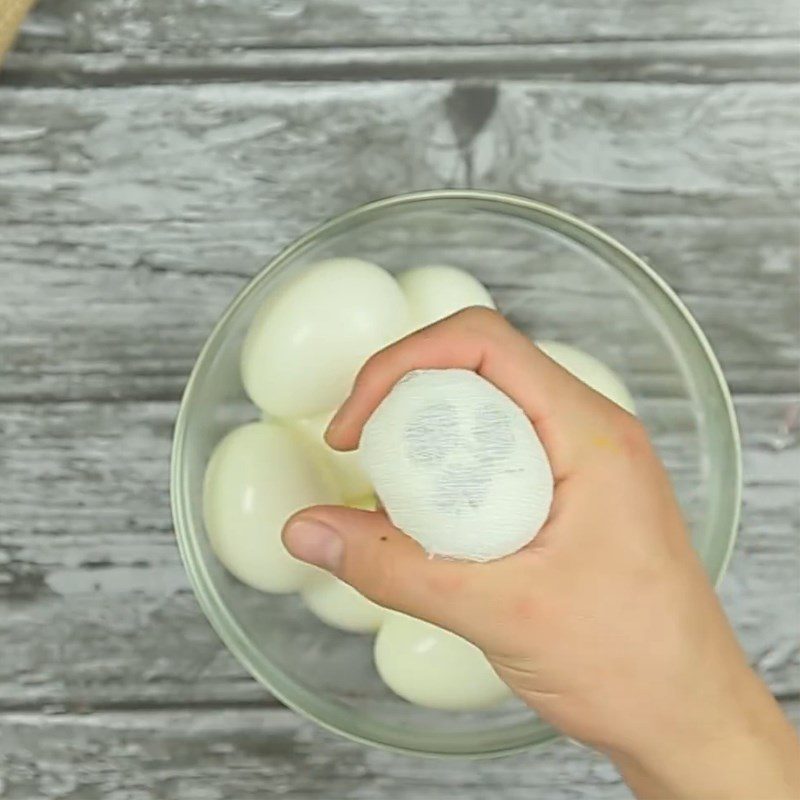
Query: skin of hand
[[606, 624]]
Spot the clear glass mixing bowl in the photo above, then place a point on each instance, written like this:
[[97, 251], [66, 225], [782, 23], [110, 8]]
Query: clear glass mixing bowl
[[554, 277]]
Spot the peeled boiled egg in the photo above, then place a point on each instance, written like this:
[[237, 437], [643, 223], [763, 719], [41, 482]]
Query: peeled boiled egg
[[593, 372], [258, 476], [432, 667], [311, 336], [437, 291], [348, 472], [338, 604], [457, 465]]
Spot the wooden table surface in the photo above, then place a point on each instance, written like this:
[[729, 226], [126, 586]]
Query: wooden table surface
[[155, 153]]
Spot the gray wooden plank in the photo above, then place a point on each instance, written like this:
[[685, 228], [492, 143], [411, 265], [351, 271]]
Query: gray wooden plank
[[220, 755], [260, 152], [705, 61], [95, 609], [196, 26], [243, 754], [153, 292], [151, 206]]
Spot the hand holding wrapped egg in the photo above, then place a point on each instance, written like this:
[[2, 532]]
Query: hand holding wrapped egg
[[454, 479]]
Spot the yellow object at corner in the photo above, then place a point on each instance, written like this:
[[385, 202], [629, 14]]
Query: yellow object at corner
[[12, 13]]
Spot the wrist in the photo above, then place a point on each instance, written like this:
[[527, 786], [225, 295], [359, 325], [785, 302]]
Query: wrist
[[743, 747]]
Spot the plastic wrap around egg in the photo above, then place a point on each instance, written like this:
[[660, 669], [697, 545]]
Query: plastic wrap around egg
[[258, 476], [457, 465], [438, 291], [312, 335], [346, 468], [434, 668], [593, 372]]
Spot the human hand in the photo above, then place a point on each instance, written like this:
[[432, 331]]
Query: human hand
[[606, 624]]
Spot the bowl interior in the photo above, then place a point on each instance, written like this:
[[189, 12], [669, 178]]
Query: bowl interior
[[554, 278]]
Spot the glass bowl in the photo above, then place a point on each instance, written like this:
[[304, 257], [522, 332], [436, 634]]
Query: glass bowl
[[554, 277]]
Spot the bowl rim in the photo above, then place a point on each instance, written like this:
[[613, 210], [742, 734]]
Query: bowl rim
[[211, 604]]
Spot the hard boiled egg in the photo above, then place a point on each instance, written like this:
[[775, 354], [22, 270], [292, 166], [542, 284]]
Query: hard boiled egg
[[352, 479], [437, 291], [257, 477], [311, 336], [593, 372], [432, 667], [338, 604]]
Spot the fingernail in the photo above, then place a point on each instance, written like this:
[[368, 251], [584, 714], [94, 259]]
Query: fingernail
[[314, 542]]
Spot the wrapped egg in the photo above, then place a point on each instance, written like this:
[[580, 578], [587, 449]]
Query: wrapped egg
[[258, 476], [432, 667], [457, 465], [311, 336], [593, 372], [348, 472], [438, 291]]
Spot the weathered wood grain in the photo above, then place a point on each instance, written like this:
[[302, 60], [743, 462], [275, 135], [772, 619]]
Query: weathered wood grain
[[195, 26], [263, 152], [95, 608], [243, 754], [151, 206], [121, 310], [220, 755], [705, 61]]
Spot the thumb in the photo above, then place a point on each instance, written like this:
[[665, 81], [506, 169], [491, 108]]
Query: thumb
[[364, 549]]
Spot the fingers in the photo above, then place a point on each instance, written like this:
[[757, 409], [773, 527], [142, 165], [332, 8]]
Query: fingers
[[364, 549], [481, 340]]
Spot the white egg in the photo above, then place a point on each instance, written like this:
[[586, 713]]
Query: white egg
[[257, 477], [345, 466], [593, 372], [437, 291], [457, 465], [366, 503], [338, 604], [311, 336], [432, 667]]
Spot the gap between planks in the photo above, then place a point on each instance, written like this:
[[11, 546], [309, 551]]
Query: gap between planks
[[267, 703], [677, 61]]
